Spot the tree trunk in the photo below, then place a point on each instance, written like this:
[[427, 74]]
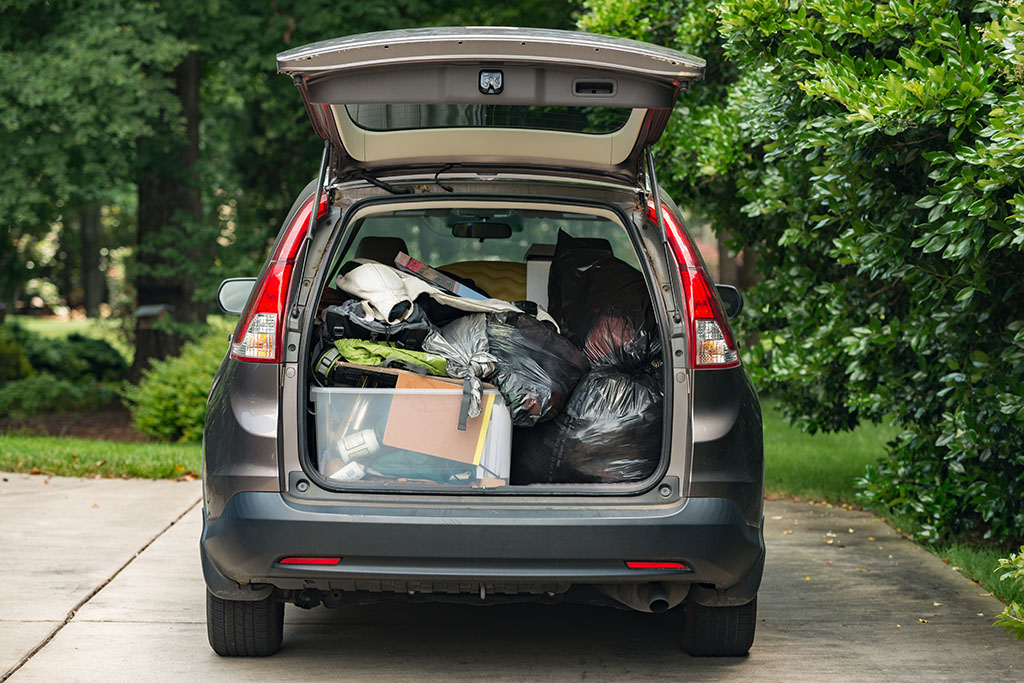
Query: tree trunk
[[748, 276], [92, 277], [169, 203], [728, 269]]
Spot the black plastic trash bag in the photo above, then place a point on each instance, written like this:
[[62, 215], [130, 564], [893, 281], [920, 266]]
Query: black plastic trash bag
[[354, 319], [537, 368], [610, 431], [603, 305]]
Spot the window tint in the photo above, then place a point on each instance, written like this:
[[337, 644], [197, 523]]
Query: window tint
[[385, 117], [429, 234]]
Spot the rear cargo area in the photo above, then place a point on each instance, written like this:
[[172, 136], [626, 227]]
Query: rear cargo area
[[484, 345]]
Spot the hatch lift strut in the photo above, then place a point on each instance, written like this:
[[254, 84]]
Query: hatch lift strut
[[655, 194]]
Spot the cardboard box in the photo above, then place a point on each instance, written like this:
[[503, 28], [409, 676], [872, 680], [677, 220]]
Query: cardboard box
[[428, 423]]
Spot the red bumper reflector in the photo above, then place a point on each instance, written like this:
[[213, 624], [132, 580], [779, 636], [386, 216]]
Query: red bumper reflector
[[656, 565], [310, 560]]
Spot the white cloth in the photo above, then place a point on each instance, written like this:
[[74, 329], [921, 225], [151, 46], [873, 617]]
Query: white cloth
[[384, 287]]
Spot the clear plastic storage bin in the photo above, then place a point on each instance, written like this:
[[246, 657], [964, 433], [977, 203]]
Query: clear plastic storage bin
[[403, 437]]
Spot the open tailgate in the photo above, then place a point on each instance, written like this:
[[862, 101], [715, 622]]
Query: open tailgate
[[489, 97]]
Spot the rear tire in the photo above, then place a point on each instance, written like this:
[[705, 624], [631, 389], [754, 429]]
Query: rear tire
[[239, 628], [719, 631]]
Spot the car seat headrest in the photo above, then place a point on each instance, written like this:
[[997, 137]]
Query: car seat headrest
[[381, 249]]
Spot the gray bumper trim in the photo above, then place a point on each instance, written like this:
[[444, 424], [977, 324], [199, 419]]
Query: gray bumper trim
[[466, 544]]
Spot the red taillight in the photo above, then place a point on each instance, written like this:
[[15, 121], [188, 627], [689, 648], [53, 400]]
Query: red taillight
[[260, 330], [655, 565], [329, 561], [711, 341]]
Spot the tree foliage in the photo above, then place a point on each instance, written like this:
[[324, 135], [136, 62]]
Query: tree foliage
[[91, 104], [82, 82], [874, 151]]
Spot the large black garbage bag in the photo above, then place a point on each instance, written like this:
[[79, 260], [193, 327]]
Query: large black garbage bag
[[610, 431], [602, 304], [537, 368]]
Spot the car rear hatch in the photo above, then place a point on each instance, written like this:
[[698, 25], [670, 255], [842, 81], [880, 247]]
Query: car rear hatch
[[485, 97]]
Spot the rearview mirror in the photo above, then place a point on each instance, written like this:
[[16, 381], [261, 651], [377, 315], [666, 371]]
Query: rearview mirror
[[482, 230], [233, 293], [732, 300]]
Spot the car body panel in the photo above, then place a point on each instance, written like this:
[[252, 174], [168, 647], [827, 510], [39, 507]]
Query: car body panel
[[240, 442]]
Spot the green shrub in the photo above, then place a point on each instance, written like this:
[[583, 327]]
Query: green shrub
[[170, 402], [14, 362], [75, 357], [1012, 618], [45, 393], [868, 153], [102, 361]]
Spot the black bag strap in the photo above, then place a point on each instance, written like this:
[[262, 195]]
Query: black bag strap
[[403, 364], [467, 395]]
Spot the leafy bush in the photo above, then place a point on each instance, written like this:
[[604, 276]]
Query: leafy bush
[[102, 361], [45, 393], [14, 363], [75, 357], [869, 153], [1012, 618], [170, 401]]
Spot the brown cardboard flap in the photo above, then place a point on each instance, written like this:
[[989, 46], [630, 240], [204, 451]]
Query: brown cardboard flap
[[429, 423]]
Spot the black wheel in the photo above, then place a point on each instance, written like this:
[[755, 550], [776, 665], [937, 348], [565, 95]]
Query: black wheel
[[719, 631], [239, 628]]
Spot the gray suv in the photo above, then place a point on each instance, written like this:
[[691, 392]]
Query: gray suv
[[484, 360]]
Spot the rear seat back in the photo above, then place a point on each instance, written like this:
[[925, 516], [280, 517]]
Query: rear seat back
[[500, 279]]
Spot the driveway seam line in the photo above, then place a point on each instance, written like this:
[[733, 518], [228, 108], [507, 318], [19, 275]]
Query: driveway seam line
[[90, 595]]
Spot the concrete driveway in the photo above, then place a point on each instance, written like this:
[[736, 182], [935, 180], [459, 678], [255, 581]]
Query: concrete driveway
[[100, 581]]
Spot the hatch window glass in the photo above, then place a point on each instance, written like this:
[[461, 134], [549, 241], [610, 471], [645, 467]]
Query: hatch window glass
[[392, 117], [432, 235]]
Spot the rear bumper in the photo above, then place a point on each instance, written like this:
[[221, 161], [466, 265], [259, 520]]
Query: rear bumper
[[436, 548]]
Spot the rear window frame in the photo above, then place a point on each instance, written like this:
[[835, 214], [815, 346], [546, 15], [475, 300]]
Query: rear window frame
[[341, 240]]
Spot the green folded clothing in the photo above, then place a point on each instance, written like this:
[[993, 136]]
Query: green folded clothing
[[388, 355]]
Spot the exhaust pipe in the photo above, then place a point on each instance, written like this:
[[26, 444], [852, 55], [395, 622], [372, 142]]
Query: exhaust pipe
[[653, 597], [657, 597]]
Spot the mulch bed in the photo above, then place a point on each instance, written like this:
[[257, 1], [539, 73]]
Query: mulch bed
[[114, 424]]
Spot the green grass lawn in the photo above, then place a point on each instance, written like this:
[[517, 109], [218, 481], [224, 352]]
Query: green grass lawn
[[826, 467], [821, 466], [86, 458]]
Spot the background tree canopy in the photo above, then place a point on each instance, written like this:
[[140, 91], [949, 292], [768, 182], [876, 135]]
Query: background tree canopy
[[871, 153], [164, 127]]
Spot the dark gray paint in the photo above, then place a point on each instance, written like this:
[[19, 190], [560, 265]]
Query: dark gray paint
[[240, 438], [728, 453], [440, 543]]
